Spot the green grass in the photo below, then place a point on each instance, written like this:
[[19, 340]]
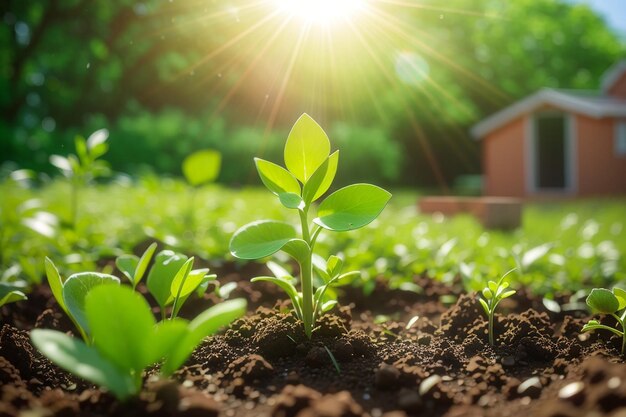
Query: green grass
[[585, 241]]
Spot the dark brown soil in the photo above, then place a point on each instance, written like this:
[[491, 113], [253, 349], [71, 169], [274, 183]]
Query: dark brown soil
[[359, 362]]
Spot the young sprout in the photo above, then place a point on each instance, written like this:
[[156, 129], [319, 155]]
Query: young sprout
[[493, 293], [310, 171], [127, 339], [84, 166], [612, 303]]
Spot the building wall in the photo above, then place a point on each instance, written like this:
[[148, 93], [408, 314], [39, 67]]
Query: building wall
[[600, 170], [503, 160], [618, 89]]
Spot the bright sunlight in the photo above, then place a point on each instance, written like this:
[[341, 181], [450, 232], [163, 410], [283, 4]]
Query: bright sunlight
[[321, 11]]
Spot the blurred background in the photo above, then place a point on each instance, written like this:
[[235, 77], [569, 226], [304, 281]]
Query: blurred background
[[396, 83]]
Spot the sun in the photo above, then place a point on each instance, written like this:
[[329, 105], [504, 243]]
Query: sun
[[321, 11]]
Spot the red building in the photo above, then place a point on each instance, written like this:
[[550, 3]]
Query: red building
[[558, 142]]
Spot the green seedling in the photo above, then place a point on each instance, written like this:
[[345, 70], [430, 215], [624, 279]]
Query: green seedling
[[127, 339], [172, 280], [10, 294], [133, 267], [612, 303], [70, 294], [493, 293], [84, 166], [310, 172], [200, 168]]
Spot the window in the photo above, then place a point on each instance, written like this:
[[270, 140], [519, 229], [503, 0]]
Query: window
[[620, 139]]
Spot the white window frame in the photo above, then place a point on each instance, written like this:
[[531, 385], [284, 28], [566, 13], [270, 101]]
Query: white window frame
[[619, 140]]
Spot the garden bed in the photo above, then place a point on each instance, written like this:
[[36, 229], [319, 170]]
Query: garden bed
[[262, 365]]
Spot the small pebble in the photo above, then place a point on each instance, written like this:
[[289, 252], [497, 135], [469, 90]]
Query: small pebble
[[508, 361], [531, 387], [571, 390], [429, 383], [614, 382]]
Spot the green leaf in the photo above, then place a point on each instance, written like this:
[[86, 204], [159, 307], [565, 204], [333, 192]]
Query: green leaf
[[291, 200], [181, 285], [307, 147], [55, 283], [260, 239], [352, 207], [127, 264], [75, 291], [298, 249], [97, 139], [9, 295], [485, 306], [122, 323], [278, 271], [202, 167], [276, 178], [333, 161], [493, 286], [334, 265], [313, 184], [63, 164], [165, 336], [81, 149], [596, 326], [144, 261], [620, 294], [205, 324], [487, 293], [507, 294], [76, 357], [603, 301], [287, 286], [166, 265]]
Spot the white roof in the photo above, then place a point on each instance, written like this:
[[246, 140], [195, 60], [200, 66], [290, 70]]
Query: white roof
[[575, 101]]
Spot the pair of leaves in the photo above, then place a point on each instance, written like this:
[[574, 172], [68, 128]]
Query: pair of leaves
[[133, 267], [308, 160], [172, 280], [202, 167], [71, 293], [349, 208], [604, 301], [127, 339]]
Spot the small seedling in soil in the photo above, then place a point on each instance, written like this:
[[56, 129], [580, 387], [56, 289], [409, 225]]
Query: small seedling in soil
[[83, 167], [172, 280], [493, 293], [612, 303], [133, 267], [127, 339], [310, 171]]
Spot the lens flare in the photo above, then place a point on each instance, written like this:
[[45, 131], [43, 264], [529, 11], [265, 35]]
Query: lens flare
[[321, 11]]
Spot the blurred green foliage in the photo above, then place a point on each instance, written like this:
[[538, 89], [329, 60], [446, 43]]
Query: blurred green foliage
[[170, 77]]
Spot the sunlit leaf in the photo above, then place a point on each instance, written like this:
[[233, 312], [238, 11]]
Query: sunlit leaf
[[602, 301], [276, 178], [202, 167], [352, 207], [307, 147], [76, 289], [260, 239]]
